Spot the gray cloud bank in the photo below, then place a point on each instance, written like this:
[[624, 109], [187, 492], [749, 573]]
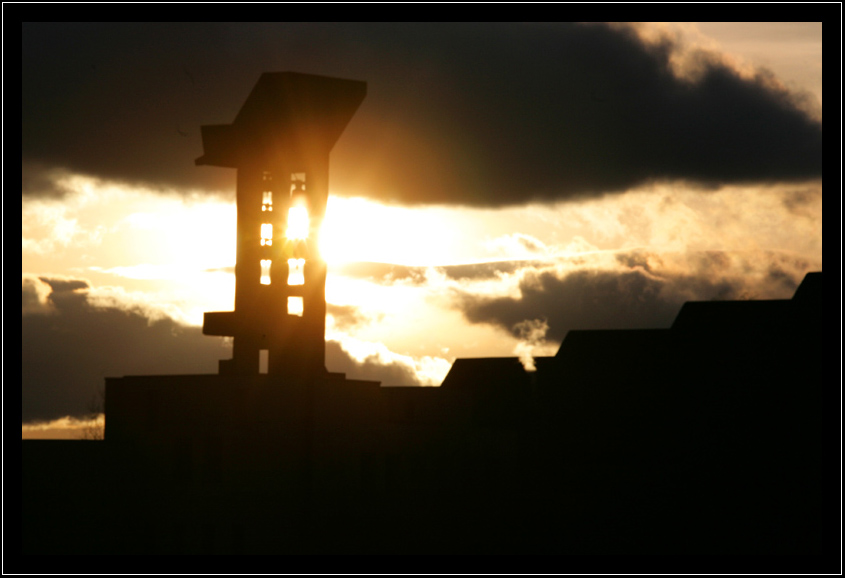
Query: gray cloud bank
[[468, 114], [644, 290], [69, 345]]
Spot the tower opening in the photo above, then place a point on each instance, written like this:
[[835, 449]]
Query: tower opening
[[266, 234], [296, 271], [265, 271], [263, 360], [295, 306], [298, 223]]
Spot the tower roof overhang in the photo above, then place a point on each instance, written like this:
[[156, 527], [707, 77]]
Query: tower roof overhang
[[287, 113]]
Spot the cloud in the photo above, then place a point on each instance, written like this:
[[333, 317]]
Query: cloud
[[75, 335], [370, 368], [382, 273], [42, 180], [517, 245], [468, 114], [644, 290], [580, 300], [345, 317], [485, 271], [35, 295], [390, 274], [59, 285], [66, 427], [800, 202], [374, 361], [230, 270], [67, 354]]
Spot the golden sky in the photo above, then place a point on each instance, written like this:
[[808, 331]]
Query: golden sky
[[123, 250]]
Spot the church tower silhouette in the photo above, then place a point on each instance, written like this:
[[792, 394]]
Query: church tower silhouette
[[279, 143]]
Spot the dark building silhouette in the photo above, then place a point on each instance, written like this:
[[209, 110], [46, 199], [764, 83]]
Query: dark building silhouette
[[704, 438], [280, 143]]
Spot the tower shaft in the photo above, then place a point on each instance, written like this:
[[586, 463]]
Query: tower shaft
[[280, 144]]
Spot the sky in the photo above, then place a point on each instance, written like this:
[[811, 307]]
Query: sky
[[500, 185]]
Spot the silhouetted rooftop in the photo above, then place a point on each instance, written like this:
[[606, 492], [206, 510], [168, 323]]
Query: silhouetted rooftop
[[488, 373]]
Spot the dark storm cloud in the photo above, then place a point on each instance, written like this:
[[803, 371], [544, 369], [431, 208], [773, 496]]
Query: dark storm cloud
[[69, 350], [642, 293], [69, 346], [470, 114], [41, 180], [581, 300]]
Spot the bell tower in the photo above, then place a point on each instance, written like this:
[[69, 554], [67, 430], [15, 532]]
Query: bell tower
[[279, 143]]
